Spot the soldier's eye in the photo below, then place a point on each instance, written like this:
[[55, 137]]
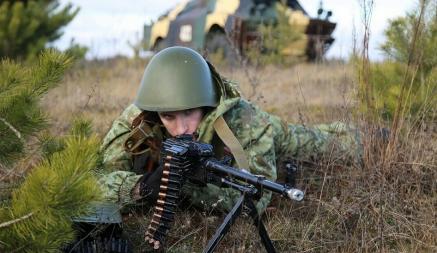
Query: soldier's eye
[[188, 112], [166, 116]]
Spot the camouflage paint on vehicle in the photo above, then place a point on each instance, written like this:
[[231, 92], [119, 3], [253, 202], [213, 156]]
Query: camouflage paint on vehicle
[[220, 13], [189, 24], [160, 28], [242, 25]]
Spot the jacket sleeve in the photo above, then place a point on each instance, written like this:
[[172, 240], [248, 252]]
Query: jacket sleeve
[[338, 141], [115, 177], [265, 139]]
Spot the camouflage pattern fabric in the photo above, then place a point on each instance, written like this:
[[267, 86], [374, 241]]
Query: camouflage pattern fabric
[[264, 137]]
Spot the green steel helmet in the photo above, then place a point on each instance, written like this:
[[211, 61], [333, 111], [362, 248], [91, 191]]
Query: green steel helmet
[[176, 78]]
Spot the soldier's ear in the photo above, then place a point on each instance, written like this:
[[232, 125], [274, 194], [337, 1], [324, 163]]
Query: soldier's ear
[[206, 110]]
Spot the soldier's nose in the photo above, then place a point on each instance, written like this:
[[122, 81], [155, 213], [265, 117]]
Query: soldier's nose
[[181, 126]]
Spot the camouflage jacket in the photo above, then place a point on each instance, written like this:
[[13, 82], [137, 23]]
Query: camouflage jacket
[[265, 138]]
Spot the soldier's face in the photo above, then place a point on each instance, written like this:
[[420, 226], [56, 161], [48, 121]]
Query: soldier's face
[[181, 122]]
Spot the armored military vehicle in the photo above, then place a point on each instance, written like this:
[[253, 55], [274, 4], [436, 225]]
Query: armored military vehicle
[[213, 24]]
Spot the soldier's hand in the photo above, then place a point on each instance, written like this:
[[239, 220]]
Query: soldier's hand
[[147, 187]]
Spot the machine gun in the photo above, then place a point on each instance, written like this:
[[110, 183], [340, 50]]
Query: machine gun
[[184, 159]]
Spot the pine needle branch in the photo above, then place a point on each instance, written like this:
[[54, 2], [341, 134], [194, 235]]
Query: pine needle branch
[[21, 89], [61, 187], [11, 222], [17, 133]]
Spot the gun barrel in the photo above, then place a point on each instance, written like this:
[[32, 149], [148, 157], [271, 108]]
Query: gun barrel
[[258, 181]]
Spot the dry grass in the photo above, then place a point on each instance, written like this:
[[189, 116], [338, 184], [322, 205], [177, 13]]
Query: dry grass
[[385, 206], [315, 91], [101, 90], [97, 90]]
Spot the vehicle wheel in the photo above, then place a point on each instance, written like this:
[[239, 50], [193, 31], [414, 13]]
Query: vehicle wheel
[[159, 45], [217, 43]]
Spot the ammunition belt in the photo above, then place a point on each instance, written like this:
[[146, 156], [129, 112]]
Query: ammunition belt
[[165, 206]]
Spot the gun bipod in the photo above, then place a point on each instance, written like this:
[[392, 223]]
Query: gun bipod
[[245, 200]]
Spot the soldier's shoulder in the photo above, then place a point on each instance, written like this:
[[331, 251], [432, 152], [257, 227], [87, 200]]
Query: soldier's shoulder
[[122, 123], [247, 113], [129, 114], [246, 119]]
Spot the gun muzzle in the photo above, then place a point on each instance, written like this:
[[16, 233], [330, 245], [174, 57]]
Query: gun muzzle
[[295, 194]]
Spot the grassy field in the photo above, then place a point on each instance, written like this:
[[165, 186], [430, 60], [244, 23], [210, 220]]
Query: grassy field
[[387, 205], [304, 93]]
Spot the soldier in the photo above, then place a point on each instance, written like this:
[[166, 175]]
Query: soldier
[[181, 93]]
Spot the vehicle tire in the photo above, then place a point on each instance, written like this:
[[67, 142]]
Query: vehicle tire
[[159, 45], [216, 42]]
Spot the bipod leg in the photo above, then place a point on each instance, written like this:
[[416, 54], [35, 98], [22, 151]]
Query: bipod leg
[[224, 227], [268, 244]]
